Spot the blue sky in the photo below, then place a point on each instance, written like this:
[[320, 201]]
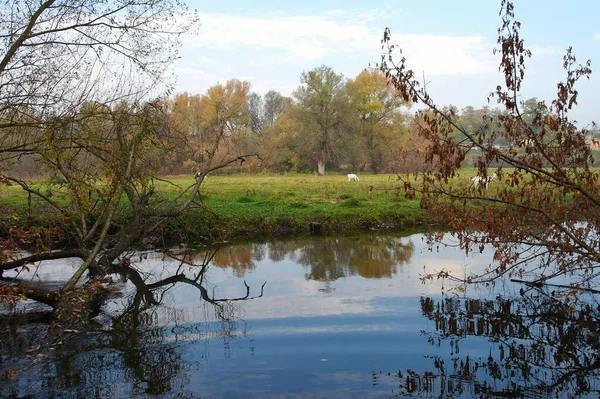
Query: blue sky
[[270, 43]]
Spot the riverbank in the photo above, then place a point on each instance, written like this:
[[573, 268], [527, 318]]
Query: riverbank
[[242, 205]]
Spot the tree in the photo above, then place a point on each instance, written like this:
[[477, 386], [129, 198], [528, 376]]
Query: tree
[[76, 78], [274, 105], [255, 108], [279, 141], [56, 54], [471, 118], [541, 215], [187, 120], [377, 108], [214, 128], [264, 111], [94, 159], [226, 126], [322, 110]]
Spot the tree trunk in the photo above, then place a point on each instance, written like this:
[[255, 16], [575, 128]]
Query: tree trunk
[[374, 166], [76, 307], [321, 168]]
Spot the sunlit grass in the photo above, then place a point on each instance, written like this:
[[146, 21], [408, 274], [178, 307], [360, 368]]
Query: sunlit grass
[[263, 202], [250, 203]]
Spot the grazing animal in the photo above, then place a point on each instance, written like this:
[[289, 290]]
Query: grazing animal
[[352, 177], [483, 181], [200, 174]]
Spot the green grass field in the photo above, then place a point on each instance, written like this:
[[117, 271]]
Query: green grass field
[[265, 204], [269, 203]]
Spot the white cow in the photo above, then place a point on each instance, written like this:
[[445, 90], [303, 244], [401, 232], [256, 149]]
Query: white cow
[[484, 181], [352, 177]]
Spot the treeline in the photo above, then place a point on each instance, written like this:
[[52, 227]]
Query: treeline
[[329, 123]]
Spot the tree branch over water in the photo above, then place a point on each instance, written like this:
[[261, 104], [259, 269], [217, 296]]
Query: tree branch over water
[[541, 188]]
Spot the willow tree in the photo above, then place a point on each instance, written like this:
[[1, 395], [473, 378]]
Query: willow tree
[[541, 214], [323, 109]]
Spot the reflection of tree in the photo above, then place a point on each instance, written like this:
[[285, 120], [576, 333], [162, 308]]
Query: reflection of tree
[[278, 250], [146, 293], [238, 257], [538, 347], [328, 258], [368, 256], [140, 354]]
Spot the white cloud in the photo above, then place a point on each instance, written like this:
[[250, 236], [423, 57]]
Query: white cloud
[[545, 51], [301, 36], [282, 38], [336, 13], [274, 49], [446, 55], [597, 36]]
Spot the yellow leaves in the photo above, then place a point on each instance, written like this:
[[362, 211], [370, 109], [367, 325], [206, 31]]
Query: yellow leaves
[[370, 93], [219, 99]]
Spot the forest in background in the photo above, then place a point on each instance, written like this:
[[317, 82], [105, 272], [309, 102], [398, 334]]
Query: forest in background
[[329, 123]]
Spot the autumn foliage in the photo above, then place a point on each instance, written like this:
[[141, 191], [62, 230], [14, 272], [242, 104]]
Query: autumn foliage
[[541, 213]]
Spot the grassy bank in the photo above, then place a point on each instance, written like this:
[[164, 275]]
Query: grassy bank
[[266, 204]]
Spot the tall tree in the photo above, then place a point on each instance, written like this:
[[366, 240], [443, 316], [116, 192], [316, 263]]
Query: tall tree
[[214, 129], [279, 141], [323, 109], [378, 108], [274, 105], [226, 123], [256, 110], [541, 216]]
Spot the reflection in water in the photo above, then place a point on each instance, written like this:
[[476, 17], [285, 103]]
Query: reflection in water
[[139, 349], [368, 257], [539, 347], [327, 258], [240, 258], [337, 314]]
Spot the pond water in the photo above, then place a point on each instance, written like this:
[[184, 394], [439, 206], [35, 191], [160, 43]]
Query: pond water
[[331, 317]]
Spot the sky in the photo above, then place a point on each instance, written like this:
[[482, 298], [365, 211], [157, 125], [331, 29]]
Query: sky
[[448, 44]]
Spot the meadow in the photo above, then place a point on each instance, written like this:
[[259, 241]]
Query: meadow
[[266, 203]]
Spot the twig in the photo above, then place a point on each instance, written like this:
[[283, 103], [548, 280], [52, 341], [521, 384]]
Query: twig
[[539, 284]]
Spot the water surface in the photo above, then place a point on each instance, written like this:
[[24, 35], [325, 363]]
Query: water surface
[[314, 317]]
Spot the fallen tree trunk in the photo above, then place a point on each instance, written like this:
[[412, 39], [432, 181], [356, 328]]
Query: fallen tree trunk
[[72, 309], [75, 307]]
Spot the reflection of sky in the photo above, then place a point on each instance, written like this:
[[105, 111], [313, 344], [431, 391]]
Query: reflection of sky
[[49, 271], [303, 338], [289, 294]]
